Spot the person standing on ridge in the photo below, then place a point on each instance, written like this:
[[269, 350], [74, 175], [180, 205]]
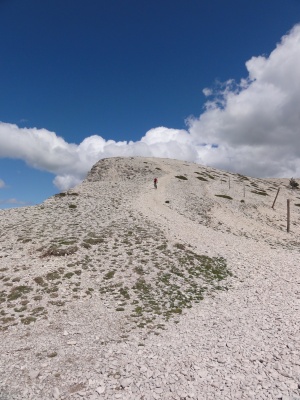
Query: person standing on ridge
[[155, 183]]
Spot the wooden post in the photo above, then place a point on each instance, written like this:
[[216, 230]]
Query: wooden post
[[288, 215], [275, 198]]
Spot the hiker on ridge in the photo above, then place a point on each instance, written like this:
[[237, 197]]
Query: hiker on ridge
[[155, 183]]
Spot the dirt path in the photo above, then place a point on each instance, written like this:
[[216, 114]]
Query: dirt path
[[177, 228]]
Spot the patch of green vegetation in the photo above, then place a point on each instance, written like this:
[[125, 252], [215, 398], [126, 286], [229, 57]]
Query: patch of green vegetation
[[162, 247], [38, 311], [66, 242], [28, 320], [52, 276], [21, 309], [139, 270], [124, 292], [179, 246], [201, 178], [260, 192], [109, 275], [40, 281], [120, 309], [62, 194], [26, 240], [6, 320], [51, 289], [69, 275], [58, 303], [52, 355], [93, 240], [58, 252], [224, 196], [72, 206], [184, 178], [18, 291], [243, 177]]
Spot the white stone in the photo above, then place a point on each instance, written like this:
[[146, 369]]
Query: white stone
[[34, 374], [56, 393], [100, 389], [126, 382]]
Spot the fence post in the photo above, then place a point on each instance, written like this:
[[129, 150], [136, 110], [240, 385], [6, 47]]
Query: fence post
[[288, 215], [275, 198]]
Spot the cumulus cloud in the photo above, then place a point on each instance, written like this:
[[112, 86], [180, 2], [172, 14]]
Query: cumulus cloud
[[256, 123], [251, 127]]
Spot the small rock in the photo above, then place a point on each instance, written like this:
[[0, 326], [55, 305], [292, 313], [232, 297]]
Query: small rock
[[65, 333], [56, 393], [149, 373], [71, 342], [34, 374], [126, 382], [100, 389]]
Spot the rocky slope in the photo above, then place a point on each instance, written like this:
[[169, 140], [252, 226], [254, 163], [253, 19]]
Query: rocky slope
[[115, 290]]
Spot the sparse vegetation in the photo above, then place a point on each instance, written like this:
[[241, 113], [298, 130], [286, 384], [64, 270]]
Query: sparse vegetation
[[294, 184], [18, 291], [59, 251], [109, 275], [225, 196], [184, 178], [260, 192]]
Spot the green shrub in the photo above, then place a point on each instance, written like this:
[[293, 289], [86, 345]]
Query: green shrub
[[293, 184], [260, 192], [184, 178], [224, 196]]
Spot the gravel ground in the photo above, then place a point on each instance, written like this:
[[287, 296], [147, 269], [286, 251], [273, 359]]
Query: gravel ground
[[115, 290]]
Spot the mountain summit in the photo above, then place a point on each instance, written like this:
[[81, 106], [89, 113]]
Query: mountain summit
[[118, 290]]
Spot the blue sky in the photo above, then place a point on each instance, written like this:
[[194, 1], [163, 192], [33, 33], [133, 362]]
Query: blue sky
[[81, 79]]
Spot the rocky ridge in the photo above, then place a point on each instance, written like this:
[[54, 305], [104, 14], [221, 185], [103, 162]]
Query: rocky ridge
[[114, 290]]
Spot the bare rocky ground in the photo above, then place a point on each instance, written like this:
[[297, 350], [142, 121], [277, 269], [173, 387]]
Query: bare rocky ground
[[115, 290]]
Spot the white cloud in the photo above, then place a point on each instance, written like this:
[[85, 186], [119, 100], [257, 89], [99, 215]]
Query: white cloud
[[251, 126], [2, 184]]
